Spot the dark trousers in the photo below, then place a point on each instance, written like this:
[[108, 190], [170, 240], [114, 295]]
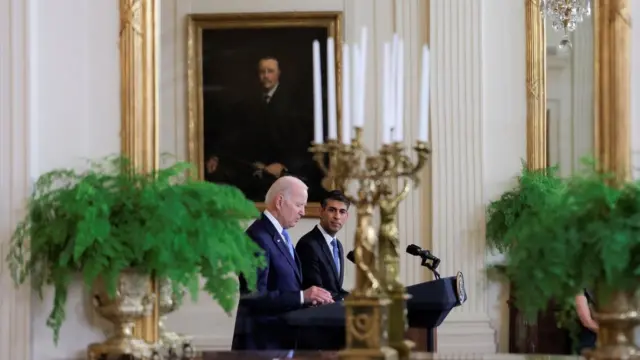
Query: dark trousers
[[586, 340]]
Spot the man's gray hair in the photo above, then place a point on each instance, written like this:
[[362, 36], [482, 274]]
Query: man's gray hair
[[283, 187]]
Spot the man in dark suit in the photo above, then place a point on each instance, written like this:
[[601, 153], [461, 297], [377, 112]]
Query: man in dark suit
[[270, 136], [320, 252], [279, 285], [278, 111]]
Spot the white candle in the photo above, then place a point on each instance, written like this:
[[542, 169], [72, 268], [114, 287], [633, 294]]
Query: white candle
[[360, 85], [355, 81], [331, 90], [423, 130], [398, 134], [363, 43], [346, 95], [393, 85], [318, 136], [362, 78], [386, 93]]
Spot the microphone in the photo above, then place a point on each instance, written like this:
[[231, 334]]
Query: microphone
[[426, 256], [351, 257], [416, 250]]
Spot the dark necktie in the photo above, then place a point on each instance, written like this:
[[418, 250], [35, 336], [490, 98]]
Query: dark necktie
[[266, 98], [336, 254]]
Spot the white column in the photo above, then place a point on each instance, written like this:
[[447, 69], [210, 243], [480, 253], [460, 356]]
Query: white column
[[478, 139], [15, 311], [410, 23]]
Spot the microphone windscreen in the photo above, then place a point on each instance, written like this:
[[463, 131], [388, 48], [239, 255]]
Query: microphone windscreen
[[414, 250], [350, 257]]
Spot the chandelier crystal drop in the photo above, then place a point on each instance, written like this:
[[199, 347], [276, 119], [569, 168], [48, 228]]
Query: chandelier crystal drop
[[565, 15]]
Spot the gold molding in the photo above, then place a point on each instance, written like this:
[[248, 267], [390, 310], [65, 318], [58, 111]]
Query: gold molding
[[536, 57], [612, 88], [138, 99], [196, 23]]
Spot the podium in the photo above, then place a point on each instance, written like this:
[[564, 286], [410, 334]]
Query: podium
[[323, 327]]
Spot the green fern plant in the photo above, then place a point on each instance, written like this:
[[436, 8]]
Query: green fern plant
[[113, 217], [588, 239], [534, 189]]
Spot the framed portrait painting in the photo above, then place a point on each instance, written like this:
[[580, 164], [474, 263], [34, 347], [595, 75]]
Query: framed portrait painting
[[250, 84]]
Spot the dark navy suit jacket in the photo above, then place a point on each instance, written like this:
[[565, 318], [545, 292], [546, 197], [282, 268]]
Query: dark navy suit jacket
[[258, 326], [318, 266]]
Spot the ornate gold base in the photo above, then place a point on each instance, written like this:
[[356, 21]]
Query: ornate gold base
[[617, 317], [133, 301], [397, 324], [121, 346], [366, 318], [612, 353], [173, 344]]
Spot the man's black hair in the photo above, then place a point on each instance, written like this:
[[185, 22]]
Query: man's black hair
[[335, 195]]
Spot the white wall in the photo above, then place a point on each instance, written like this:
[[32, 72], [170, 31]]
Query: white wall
[[72, 108], [15, 120], [559, 99], [504, 125], [570, 84], [59, 105], [78, 117]]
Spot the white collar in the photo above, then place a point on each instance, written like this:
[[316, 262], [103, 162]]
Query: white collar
[[328, 238], [272, 91], [273, 220]]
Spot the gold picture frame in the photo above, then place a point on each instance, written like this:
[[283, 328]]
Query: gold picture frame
[[612, 73], [612, 86], [198, 23], [536, 82], [139, 106]]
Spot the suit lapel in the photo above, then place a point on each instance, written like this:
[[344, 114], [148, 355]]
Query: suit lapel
[[328, 254], [281, 244]]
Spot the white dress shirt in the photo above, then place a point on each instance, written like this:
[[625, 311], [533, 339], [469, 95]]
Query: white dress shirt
[[280, 229], [269, 94], [328, 238]]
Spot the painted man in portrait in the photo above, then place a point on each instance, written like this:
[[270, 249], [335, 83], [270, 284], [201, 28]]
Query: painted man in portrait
[[274, 141]]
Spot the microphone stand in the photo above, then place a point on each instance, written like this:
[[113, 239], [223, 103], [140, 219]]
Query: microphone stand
[[431, 266]]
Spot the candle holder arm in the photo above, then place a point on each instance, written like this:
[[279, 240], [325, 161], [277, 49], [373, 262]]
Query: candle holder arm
[[408, 169]]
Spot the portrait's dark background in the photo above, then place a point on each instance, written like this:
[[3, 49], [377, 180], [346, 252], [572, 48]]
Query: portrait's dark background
[[239, 128]]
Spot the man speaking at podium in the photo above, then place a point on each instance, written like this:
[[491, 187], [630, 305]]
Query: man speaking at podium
[[320, 252], [279, 285]]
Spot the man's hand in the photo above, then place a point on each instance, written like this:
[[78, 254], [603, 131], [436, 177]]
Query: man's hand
[[212, 164], [317, 296], [275, 169]]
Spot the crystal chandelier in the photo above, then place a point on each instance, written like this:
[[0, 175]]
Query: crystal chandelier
[[565, 15]]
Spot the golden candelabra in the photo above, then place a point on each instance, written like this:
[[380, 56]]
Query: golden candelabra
[[402, 168], [375, 309]]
